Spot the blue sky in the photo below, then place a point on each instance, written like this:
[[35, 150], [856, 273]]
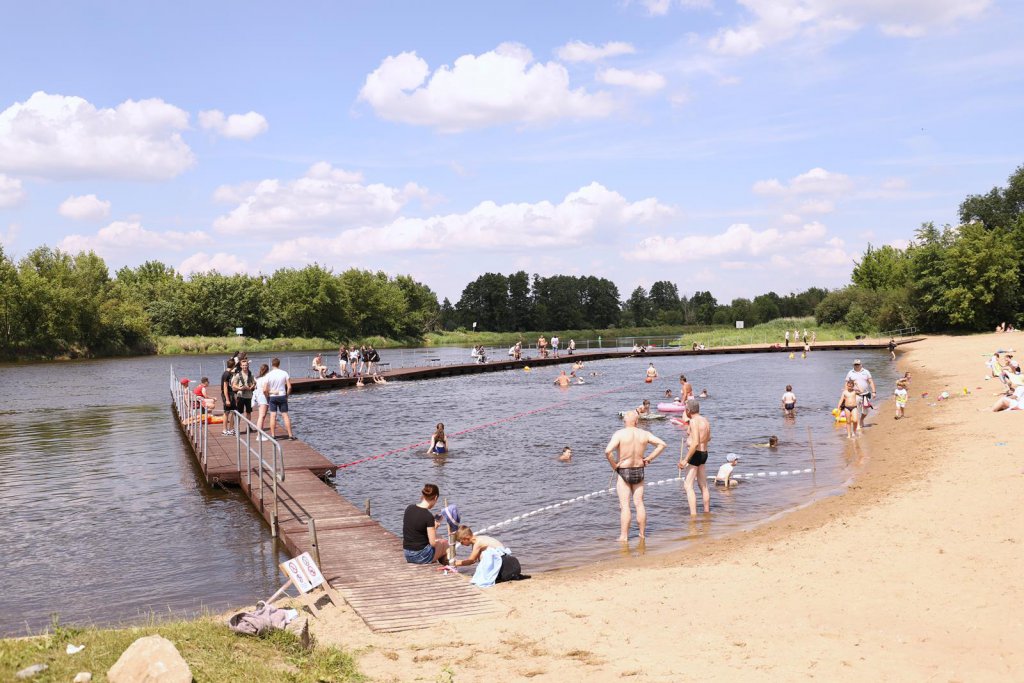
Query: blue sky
[[731, 146]]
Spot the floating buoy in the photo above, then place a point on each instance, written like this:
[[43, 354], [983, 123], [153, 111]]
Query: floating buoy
[[648, 380], [791, 356], [839, 417], [526, 368]]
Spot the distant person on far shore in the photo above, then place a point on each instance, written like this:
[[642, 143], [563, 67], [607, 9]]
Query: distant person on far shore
[[629, 444], [572, 346], [789, 402], [694, 459], [554, 346], [342, 361], [787, 339]]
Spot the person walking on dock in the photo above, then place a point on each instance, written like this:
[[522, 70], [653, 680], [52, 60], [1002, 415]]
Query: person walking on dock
[[227, 394], [279, 386]]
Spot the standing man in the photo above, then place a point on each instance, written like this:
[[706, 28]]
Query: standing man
[[787, 339], [631, 442], [279, 385], [865, 386], [227, 394], [554, 346], [695, 457], [243, 383], [652, 374], [572, 346]]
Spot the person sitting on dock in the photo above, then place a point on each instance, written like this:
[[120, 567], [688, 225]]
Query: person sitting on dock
[[318, 366], [420, 543], [438, 442], [204, 400]]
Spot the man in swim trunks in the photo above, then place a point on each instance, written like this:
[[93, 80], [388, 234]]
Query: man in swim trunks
[[631, 442], [865, 384], [562, 380], [652, 374], [698, 437]]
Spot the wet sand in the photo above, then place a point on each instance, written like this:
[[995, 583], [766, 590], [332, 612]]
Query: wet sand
[[912, 573]]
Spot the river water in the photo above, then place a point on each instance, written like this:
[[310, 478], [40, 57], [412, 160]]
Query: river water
[[106, 518]]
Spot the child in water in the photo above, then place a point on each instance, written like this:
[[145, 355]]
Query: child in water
[[773, 442], [724, 475], [566, 455]]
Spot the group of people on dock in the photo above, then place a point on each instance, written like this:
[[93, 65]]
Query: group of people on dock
[[352, 362], [241, 389]]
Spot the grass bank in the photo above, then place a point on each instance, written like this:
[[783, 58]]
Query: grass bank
[[709, 335], [212, 651]]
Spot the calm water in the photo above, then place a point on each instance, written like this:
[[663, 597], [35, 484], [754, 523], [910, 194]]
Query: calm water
[[105, 516]]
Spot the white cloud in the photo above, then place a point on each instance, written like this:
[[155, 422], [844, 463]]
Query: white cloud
[[491, 226], [237, 126], [85, 207], [578, 51], [817, 206], [775, 21], [815, 181], [657, 8], [9, 237], [645, 81], [324, 198], [123, 236], [738, 239], [202, 262], [502, 86], [11, 192], [54, 136]]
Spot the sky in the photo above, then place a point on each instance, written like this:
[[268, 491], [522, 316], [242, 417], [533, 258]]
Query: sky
[[737, 147]]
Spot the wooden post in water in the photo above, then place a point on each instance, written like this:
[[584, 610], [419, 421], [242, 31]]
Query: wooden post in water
[[367, 507], [814, 463]]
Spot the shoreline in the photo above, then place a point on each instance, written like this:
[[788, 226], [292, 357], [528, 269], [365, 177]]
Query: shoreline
[[887, 580]]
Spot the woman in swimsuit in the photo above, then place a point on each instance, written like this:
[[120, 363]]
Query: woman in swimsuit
[[438, 442], [848, 405]]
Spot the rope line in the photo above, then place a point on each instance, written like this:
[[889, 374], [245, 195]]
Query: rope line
[[601, 492], [509, 418]]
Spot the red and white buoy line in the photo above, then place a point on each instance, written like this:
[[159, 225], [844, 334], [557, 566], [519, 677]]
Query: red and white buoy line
[[602, 492], [493, 423]]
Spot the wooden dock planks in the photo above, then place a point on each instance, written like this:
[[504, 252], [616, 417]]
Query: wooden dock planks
[[359, 558]]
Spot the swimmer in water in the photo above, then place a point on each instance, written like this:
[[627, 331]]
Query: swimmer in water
[[703, 393], [562, 380], [668, 393], [773, 442], [644, 408], [652, 374], [566, 455], [438, 442]]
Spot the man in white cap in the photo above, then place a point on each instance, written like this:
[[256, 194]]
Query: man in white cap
[[865, 386], [724, 475]]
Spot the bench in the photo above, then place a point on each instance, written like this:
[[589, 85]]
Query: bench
[[433, 361], [383, 367]]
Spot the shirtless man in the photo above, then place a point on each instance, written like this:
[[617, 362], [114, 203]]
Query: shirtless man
[[698, 437], [562, 380], [631, 442], [685, 389], [652, 374]]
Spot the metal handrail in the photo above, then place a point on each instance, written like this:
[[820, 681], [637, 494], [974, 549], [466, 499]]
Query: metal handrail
[[194, 418], [275, 467]]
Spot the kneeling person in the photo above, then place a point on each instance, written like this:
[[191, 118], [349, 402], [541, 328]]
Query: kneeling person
[[496, 561]]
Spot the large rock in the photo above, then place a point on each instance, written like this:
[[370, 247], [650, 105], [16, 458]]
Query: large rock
[[152, 659]]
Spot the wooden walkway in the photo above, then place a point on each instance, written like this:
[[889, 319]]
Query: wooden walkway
[[360, 559], [303, 385]]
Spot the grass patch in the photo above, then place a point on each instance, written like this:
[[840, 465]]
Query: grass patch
[[212, 651], [175, 346]]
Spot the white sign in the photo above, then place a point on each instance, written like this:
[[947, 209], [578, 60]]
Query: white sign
[[303, 572], [739, 324], [238, 331]]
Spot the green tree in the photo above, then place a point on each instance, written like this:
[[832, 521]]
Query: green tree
[[485, 301], [703, 306], [1000, 207], [927, 275], [882, 268], [639, 307], [520, 303], [766, 307], [981, 280]]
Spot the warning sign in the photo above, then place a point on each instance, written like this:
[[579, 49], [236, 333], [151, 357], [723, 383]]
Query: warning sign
[[303, 572]]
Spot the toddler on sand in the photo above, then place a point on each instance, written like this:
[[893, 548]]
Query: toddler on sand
[[901, 398]]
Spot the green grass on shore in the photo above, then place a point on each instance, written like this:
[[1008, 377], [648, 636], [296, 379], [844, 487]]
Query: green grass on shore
[[709, 335], [212, 651]]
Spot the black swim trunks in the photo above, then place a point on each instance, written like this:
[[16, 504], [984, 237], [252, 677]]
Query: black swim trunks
[[631, 475], [699, 458], [790, 406]]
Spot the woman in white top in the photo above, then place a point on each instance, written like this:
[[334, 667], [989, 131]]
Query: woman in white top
[[260, 397]]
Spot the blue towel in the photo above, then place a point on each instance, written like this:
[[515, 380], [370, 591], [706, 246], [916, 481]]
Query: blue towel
[[490, 564]]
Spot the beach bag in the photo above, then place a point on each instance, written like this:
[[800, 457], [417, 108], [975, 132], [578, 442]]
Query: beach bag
[[510, 570]]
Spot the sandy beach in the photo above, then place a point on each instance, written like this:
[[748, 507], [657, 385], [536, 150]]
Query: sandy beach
[[911, 574]]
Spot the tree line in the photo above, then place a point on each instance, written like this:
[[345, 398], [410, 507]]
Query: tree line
[[518, 303], [968, 278]]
